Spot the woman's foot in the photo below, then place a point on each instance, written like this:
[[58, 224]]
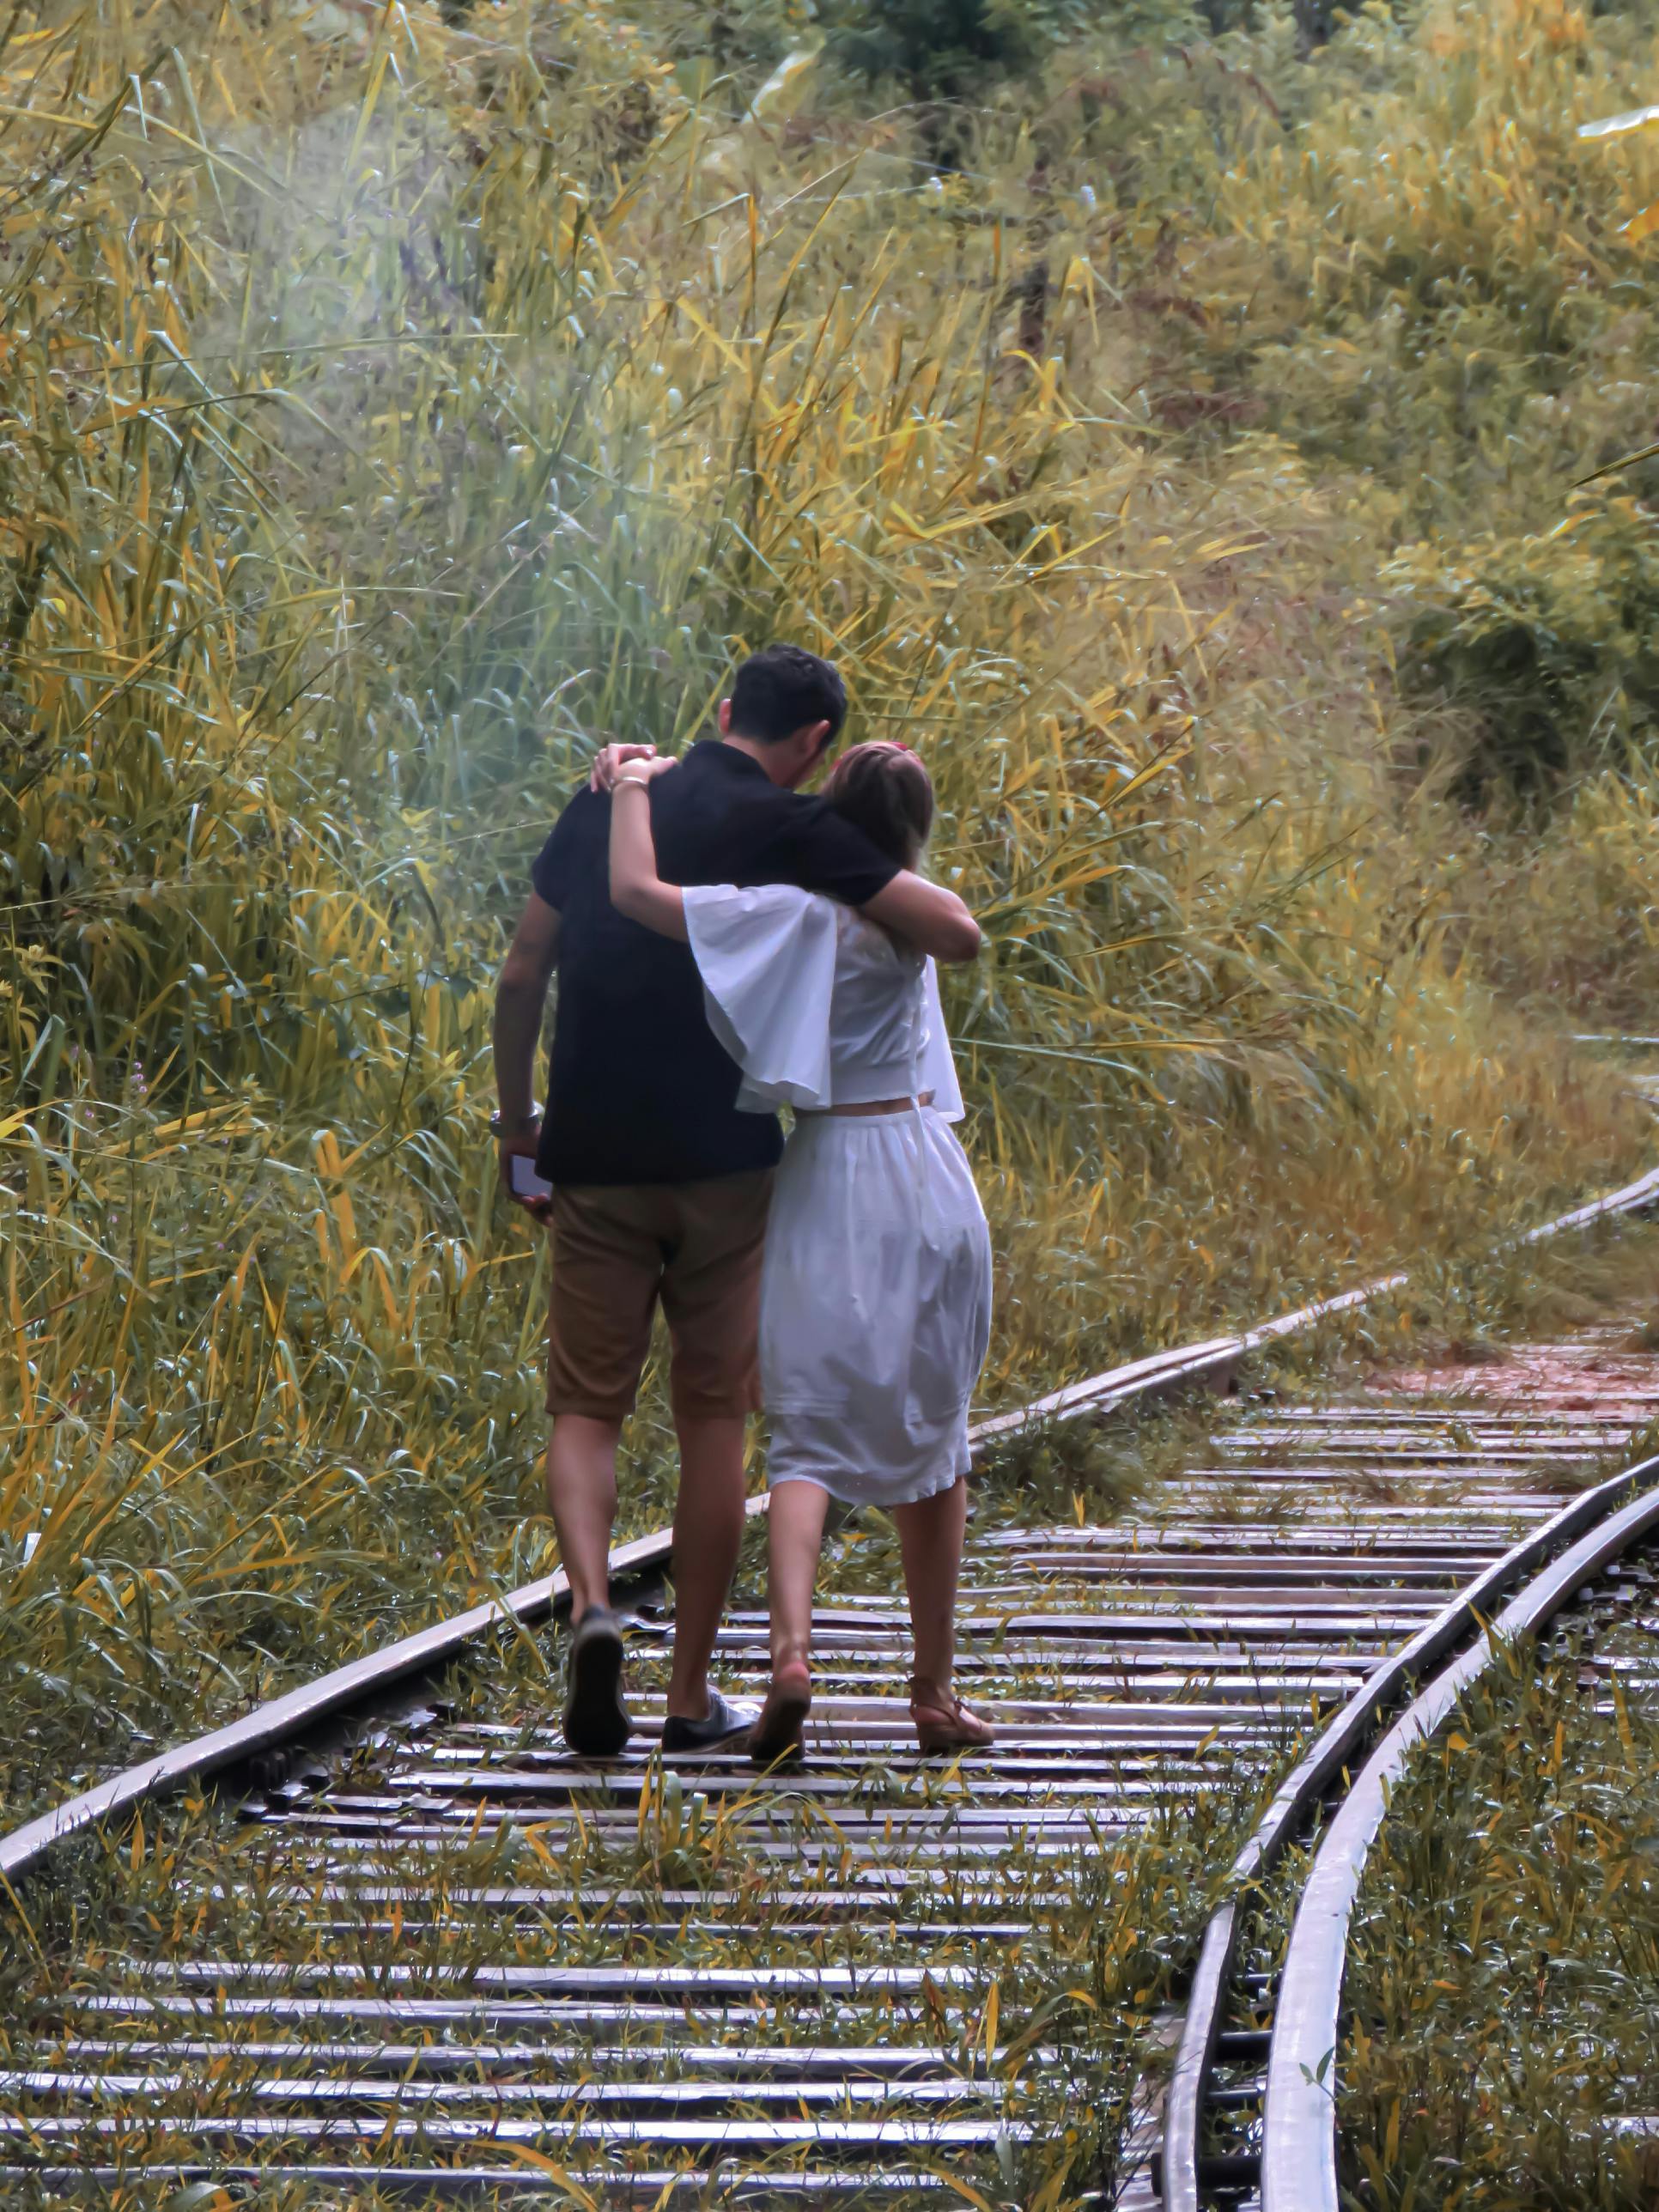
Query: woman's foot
[[943, 1723], [775, 1738]]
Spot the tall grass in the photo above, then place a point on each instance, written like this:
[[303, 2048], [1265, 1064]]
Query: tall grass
[[396, 408], [1506, 1938]]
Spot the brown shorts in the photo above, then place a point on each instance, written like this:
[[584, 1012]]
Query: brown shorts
[[619, 1247]]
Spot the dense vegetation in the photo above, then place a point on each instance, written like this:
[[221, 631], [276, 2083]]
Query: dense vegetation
[[1171, 424], [1503, 2050]]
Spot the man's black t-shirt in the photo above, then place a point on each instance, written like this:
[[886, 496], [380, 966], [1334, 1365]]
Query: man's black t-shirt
[[640, 1091]]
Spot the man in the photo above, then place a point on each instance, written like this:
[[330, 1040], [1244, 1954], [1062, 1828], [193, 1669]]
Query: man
[[660, 1185]]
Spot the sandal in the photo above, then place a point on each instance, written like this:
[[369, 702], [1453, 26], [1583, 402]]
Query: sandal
[[945, 1724], [775, 1738]]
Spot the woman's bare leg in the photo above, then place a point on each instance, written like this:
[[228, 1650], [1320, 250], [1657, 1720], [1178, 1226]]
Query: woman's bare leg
[[794, 1539], [930, 1544]]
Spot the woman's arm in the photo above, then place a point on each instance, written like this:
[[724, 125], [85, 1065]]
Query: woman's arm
[[924, 914], [636, 889]]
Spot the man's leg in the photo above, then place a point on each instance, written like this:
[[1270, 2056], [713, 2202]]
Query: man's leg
[[581, 1496], [606, 1265], [711, 1299], [707, 1532]]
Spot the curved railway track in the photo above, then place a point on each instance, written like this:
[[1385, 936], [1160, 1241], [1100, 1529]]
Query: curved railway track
[[413, 1949], [1299, 2136], [1252, 2108]]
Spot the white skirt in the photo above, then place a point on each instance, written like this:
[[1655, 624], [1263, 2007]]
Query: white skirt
[[875, 1307]]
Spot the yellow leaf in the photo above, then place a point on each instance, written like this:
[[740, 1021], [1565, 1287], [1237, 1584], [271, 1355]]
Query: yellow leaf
[[1614, 126], [1622, 1714], [556, 2172], [963, 2189], [1644, 225]]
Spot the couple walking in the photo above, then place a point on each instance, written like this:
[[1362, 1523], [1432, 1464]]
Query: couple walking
[[725, 946]]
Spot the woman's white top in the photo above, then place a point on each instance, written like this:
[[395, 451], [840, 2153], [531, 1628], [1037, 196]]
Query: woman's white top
[[875, 1299], [817, 1006]]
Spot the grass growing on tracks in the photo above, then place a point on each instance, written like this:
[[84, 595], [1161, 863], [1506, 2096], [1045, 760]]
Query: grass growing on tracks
[[1064, 2019], [1482, 1307], [397, 407], [1505, 1951]]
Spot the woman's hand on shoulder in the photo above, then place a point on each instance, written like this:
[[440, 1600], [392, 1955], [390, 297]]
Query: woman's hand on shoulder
[[644, 770], [611, 759], [636, 888]]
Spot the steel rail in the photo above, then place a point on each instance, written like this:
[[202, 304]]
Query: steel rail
[[1298, 2168], [1183, 2172], [427, 1833], [646, 2190], [1309, 1783], [282, 1720], [1265, 1618]]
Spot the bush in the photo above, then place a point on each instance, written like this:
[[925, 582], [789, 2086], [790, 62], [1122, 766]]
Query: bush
[[945, 49], [1547, 641]]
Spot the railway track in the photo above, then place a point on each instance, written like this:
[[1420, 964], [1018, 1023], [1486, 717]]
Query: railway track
[[1597, 1584], [1251, 2113], [421, 1953]]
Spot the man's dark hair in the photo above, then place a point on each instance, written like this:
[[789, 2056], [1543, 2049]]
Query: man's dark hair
[[781, 688]]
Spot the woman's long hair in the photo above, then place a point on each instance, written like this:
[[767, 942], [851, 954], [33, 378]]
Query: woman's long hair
[[884, 790]]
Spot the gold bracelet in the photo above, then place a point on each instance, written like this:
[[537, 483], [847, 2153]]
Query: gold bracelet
[[640, 783]]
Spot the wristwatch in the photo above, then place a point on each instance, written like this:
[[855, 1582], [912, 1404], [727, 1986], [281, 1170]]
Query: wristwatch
[[517, 1125]]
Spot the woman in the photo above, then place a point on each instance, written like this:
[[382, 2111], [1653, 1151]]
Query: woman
[[875, 1291]]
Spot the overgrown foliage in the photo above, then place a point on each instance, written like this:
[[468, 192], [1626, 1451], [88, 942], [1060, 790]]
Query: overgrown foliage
[[1503, 1959], [398, 404], [946, 50]]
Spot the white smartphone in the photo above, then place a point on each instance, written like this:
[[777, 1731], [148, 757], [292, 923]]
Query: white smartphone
[[527, 1183]]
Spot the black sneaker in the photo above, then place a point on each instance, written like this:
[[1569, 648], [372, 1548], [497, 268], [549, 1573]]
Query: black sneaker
[[596, 1721], [719, 1725]]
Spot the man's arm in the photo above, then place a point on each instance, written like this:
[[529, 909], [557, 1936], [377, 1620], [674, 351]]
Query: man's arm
[[520, 1001], [821, 851], [926, 915]]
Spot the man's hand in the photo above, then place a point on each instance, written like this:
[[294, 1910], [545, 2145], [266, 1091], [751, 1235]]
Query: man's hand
[[927, 917], [603, 776], [521, 1144]]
